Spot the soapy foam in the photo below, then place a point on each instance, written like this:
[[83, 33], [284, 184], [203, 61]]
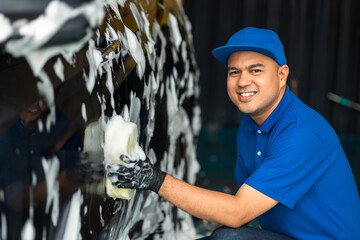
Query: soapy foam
[[59, 69], [94, 58], [35, 33], [110, 85], [143, 206], [121, 138], [46, 90], [28, 231], [179, 125], [175, 35], [51, 169], [73, 223], [136, 52], [83, 112], [6, 28], [4, 226], [92, 138]]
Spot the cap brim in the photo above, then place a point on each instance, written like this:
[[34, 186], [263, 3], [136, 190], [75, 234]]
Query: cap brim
[[222, 53]]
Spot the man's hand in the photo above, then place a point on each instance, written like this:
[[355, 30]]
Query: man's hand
[[136, 175]]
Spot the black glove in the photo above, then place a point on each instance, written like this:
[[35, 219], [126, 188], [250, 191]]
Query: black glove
[[136, 175]]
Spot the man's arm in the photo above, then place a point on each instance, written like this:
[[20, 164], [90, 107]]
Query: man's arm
[[222, 208]]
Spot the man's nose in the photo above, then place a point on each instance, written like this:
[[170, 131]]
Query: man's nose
[[244, 80]]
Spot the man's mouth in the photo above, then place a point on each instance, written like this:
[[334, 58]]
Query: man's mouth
[[246, 94]]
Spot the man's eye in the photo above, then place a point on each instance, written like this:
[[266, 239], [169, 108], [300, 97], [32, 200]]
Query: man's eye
[[255, 70], [232, 73]]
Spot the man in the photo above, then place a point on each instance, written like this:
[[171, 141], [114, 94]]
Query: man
[[291, 169]]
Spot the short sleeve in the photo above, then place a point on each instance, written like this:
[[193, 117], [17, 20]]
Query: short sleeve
[[295, 160]]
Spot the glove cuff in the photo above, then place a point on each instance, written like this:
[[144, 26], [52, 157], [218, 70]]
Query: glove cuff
[[158, 179]]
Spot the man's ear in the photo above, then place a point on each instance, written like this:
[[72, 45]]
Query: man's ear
[[283, 74]]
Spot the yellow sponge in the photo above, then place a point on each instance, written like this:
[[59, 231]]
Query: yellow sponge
[[121, 137], [114, 192]]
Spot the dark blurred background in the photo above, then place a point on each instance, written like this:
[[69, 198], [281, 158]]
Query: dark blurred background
[[322, 46]]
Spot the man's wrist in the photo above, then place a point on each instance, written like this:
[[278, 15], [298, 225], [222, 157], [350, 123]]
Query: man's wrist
[[159, 177]]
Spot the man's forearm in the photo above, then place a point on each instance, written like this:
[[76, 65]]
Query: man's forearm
[[205, 204], [225, 209]]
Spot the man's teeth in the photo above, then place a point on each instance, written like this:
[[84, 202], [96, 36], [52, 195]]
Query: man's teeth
[[247, 94]]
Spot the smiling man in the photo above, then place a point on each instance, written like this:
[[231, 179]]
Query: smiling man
[[255, 83], [291, 170]]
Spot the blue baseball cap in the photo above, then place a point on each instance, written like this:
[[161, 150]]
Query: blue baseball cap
[[252, 39]]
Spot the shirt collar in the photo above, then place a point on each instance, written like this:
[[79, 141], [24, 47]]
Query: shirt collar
[[274, 116]]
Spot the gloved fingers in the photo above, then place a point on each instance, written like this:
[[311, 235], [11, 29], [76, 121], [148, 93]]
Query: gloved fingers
[[127, 159], [117, 168], [114, 177], [120, 169], [125, 184]]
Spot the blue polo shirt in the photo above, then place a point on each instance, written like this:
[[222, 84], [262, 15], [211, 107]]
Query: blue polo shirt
[[295, 157]]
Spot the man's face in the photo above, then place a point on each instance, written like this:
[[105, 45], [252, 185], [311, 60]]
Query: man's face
[[255, 83]]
